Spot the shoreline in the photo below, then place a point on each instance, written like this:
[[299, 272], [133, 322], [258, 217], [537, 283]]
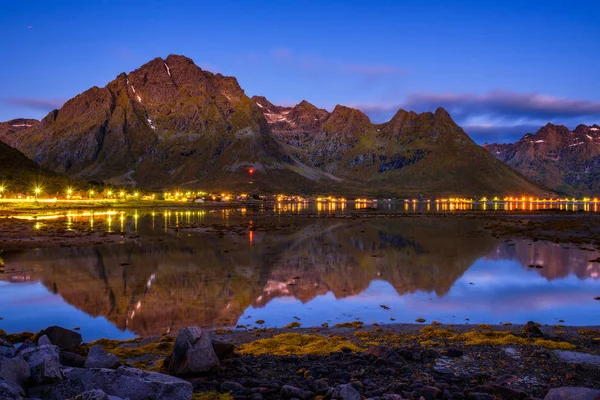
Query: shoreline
[[409, 360]]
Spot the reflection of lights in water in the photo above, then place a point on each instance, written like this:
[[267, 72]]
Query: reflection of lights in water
[[250, 236], [37, 225], [135, 220], [109, 223], [149, 283]]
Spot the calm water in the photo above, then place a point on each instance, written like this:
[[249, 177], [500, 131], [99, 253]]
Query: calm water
[[316, 270]]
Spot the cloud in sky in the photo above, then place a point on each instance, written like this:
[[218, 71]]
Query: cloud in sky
[[36, 104], [494, 116], [318, 64], [504, 105]]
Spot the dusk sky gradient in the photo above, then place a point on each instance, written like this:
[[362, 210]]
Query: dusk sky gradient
[[501, 68]]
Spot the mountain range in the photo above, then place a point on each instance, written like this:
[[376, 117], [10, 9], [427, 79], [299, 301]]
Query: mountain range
[[563, 160], [169, 123]]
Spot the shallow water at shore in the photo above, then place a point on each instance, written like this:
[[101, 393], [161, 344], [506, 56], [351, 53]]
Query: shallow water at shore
[[206, 267]]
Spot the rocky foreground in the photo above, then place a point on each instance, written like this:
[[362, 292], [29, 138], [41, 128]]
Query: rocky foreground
[[346, 362]]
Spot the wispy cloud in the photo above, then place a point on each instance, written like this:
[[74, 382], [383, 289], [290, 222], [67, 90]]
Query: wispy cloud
[[317, 64], [506, 105], [494, 116], [36, 104]]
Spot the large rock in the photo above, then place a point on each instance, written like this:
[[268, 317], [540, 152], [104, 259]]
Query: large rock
[[14, 370], [95, 394], [98, 358], [9, 391], [63, 338], [193, 352], [44, 364], [573, 393], [7, 349], [124, 382], [70, 359]]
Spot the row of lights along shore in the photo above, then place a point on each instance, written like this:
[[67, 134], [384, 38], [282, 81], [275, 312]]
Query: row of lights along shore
[[37, 193]]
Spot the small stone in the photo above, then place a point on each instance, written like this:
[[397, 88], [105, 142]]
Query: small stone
[[453, 352], [346, 392], [480, 396], [320, 386], [531, 329], [573, 393], [387, 354], [430, 392], [509, 393], [232, 387], [290, 392], [98, 358]]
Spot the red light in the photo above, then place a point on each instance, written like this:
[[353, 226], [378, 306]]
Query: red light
[[251, 170]]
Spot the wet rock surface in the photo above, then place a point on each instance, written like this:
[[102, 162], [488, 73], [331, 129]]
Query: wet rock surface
[[387, 371]]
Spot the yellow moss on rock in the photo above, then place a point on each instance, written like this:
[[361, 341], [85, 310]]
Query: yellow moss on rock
[[297, 344]]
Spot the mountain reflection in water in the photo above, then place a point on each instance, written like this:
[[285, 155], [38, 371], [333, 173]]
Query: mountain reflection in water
[[325, 270]]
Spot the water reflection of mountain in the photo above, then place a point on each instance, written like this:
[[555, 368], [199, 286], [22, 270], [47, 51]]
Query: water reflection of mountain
[[557, 263], [165, 283]]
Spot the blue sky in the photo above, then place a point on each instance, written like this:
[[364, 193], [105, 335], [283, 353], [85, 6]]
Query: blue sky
[[501, 68]]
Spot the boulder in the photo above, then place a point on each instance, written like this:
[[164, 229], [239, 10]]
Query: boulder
[[386, 353], [44, 341], [531, 329], [430, 392], [70, 359], [572, 393], [123, 382], [95, 394], [292, 392], [44, 364], [7, 349], [9, 391], [14, 370], [192, 353], [223, 349], [63, 338], [346, 392], [98, 358]]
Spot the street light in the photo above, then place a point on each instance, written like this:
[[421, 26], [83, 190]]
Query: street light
[[91, 192], [37, 190]]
